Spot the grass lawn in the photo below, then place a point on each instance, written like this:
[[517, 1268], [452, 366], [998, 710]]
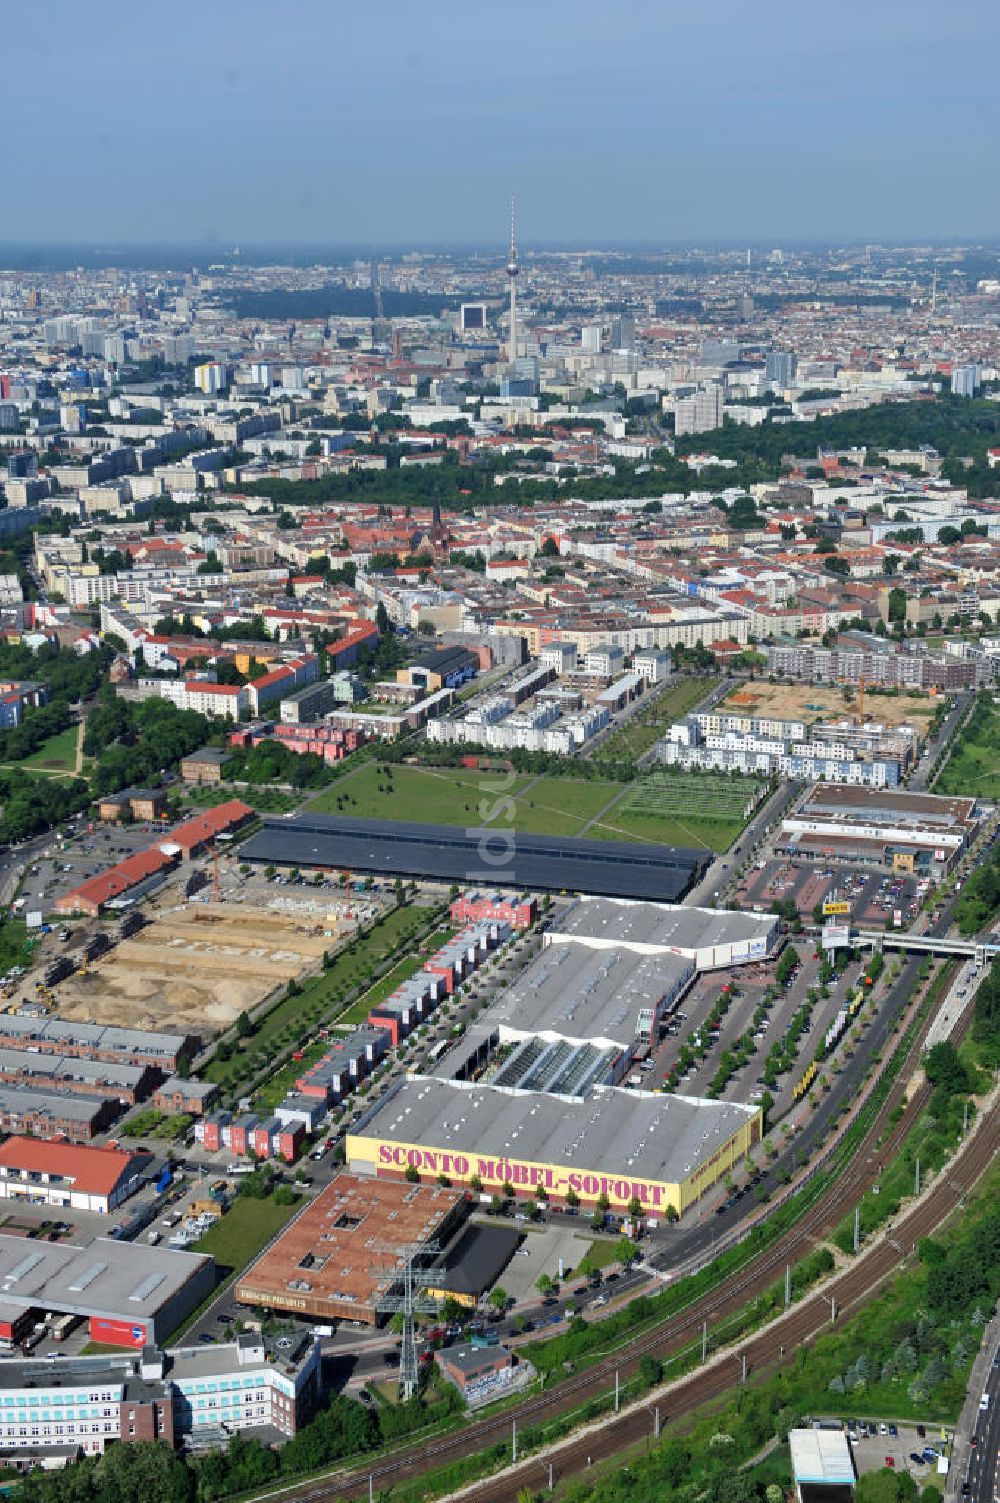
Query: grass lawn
[[463, 796], [561, 806], [973, 769], [601, 1252], [649, 724], [13, 943], [435, 795], [264, 800], [237, 1239], [681, 808], [57, 754], [293, 1017], [707, 834]]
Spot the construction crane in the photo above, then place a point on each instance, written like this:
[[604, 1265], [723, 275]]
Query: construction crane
[[413, 1300]]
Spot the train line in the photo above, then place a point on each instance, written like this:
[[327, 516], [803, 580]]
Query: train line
[[802, 1321]]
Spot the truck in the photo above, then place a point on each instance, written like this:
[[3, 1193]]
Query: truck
[[64, 1325]]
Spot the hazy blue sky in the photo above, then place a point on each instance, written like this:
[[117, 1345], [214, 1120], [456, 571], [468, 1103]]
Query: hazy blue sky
[[392, 121]]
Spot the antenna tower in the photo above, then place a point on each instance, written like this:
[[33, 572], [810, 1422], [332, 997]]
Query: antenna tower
[[513, 272], [413, 1281]]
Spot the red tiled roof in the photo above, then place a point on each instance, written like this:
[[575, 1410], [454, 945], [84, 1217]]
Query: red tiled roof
[[94, 1171], [205, 686], [118, 879], [212, 822]]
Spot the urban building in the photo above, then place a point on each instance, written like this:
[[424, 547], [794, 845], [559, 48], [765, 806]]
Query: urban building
[[331, 1262]]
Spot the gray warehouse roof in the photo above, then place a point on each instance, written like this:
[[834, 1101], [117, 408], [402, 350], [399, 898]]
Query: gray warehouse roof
[[499, 857], [660, 926], [118, 1280], [61, 1106], [611, 1131], [51, 1071], [593, 996]]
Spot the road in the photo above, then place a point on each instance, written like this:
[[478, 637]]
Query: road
[[721, 870], [918, 779], [976, 1455]]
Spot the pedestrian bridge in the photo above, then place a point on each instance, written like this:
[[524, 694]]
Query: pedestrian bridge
[[926, 944]]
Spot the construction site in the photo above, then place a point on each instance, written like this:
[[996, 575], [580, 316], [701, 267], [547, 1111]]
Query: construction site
[[197, 966], [813, 704]]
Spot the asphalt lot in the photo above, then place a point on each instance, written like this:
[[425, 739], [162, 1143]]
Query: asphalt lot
[[873, 1453], [77, 852], [751, 983], [874, 896]]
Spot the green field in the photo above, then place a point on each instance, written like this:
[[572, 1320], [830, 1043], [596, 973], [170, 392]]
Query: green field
[[681, 808], [690, 809], [435, 795], [57, 754], [463, 796], [561, 806], [264, 800], [973, 769], [245, 1228], [650, 723]]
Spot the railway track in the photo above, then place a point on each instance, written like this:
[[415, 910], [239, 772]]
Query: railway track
[[802, 1321]]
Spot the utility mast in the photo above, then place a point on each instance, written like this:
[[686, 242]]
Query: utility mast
[[413, 1281]]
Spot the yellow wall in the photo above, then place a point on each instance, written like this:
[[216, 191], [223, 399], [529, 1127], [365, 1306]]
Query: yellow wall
[[656, 1196]]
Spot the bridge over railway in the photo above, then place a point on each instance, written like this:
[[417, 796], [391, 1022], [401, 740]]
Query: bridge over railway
[[928, 944]]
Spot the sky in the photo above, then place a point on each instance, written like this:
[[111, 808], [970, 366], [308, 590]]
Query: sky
[[405, 124]]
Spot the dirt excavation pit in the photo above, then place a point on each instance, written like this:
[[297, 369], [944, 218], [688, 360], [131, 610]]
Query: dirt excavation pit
[[195, 968]]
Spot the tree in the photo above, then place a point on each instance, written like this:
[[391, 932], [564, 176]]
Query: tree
[[626, 1251], [499, 1298], [544, 1284], [412, 1174], [943, 1068], [885, 1486], [897, 605]]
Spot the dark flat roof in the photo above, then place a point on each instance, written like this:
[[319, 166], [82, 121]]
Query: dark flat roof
[[499, 856], [476, 1259]]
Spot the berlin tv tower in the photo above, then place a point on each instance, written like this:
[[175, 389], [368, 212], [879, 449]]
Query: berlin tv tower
[[513, 272]]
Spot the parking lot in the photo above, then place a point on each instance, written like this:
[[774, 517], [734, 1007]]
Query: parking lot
[[875, 897], [881, 1448], [540, 1252], [751, 984], [78, 851]]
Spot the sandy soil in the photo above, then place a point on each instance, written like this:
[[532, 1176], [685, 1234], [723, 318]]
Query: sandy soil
[[195, 968]]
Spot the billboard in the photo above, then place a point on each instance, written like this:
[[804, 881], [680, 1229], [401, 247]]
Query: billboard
[[758, 947], [117, 1332], [835, 906], [836, 936]]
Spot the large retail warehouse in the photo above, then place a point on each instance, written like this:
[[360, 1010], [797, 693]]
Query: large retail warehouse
[[501, 858], [664, 1151]]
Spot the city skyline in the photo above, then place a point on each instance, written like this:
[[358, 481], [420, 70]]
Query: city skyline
[[664, 126]]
